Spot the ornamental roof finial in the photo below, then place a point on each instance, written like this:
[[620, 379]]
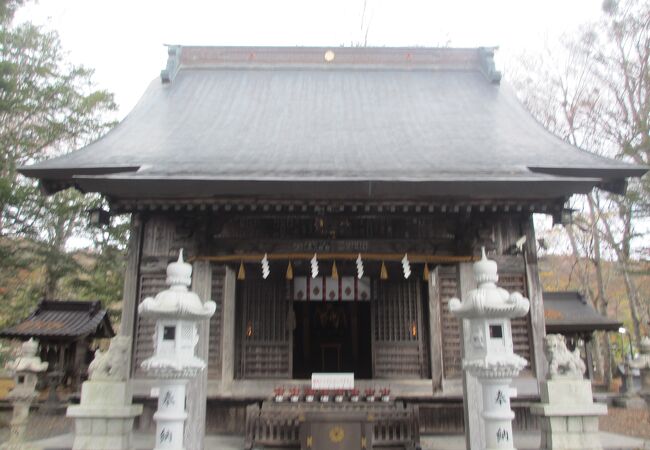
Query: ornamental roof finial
[[485, 270], [179, 273]]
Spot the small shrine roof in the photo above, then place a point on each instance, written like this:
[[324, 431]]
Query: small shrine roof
[[570, 312], [353, 123], [63, 319]]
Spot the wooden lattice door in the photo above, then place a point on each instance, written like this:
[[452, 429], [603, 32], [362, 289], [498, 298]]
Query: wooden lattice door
[[263, 335], [398, 337]]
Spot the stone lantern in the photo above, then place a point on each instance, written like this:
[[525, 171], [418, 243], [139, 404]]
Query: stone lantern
[[490, 357], [26, 368], [642, 362], [176, 311]]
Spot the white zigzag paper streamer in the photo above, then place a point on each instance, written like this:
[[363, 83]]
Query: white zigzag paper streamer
[[359, 267], [406, 266], [314, 266], [266, 270]]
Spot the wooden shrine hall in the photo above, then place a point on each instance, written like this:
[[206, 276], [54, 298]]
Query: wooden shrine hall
[[332, 201]]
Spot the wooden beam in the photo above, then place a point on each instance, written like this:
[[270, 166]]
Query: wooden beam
[[435, 330], [413, 257], [472, 393], [228, 328], [197, 387], [537, 320], [130, 290]]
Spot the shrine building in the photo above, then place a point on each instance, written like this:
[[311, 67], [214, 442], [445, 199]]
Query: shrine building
[[332, 201]]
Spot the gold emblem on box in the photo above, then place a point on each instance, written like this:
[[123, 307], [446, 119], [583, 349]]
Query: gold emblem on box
[[336, 434]]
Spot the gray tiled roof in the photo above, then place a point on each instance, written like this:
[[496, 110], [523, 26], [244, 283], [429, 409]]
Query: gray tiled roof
[[59, 319], [290, 119], [569, 311]]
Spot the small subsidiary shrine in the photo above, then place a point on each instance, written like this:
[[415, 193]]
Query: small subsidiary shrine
[[65, 330], [332, 201]]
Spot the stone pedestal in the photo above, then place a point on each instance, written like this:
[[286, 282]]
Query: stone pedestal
[[569, 415], [104, 419]]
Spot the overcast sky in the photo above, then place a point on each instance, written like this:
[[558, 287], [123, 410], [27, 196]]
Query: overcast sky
[[123, 39]]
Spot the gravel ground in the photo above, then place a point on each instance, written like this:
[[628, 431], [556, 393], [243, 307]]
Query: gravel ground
[[631, 422], [40, 426]]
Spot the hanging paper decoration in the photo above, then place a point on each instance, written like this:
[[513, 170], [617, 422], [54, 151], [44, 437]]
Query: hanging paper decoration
[[327, 289], [359, 267], [289, 275], [332, 289], [348, 288], [362, 289], [406, 265], [335, 273], [300, 289], [425, 272], [265, 267], [383, 273], [241, 274], [317, 289], [314, 266]]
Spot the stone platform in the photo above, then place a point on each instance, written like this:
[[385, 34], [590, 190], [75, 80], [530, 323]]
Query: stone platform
[[523, 441]]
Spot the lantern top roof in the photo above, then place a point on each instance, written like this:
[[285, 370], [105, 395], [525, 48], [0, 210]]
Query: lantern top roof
[[488, 300], [27, 360], [177, 301]]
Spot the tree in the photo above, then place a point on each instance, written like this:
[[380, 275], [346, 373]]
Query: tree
[[622, 67], [593, 92], [47, 107]]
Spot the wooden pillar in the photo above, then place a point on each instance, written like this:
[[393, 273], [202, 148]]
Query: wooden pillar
[[589, 356], [196, 395], [354, 317], [472, 393], [228, 329], [537, 322], [130, 291], [435, 330], [79, 364], [306, 336]]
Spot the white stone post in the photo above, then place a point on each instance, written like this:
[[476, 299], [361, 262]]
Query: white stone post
[[170, 416], [488, 350], [176, 311], [26, 368]]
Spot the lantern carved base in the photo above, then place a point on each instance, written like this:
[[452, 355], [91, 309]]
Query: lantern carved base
[[569, 415], [104, 419]]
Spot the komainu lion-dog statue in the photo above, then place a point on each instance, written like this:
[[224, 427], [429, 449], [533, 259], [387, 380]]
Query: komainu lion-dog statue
[[561, 362]]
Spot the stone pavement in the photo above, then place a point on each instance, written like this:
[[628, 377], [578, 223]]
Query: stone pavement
[[523, 441]]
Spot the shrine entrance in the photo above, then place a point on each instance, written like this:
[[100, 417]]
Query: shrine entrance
[[332, 337], [292, 328]]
